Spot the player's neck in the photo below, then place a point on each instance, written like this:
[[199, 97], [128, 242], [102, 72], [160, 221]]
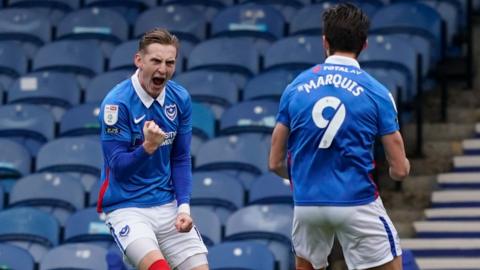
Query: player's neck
[[345, 54]]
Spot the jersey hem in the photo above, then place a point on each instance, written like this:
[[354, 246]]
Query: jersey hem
[[136, 204], [329, 203]]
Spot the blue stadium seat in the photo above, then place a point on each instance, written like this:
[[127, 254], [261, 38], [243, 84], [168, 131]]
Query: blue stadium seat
[[75, 256], [55, 90], [84, 58], [268, 224], [214, 88], [393, 81], [130, 9], [216, 54], [419, 23], [288, 8], [264, 23], [240, 255], [243, 156], [13, 62], [208, 224], [88, 226], [31, 29], [218, 192], [207, 7], [29, 228], [203, 125], [408, 260], [79, 156], [105, 26], [308, 52], [249, 116], [13, 257], [185, 22], [15, 162], [395, 55], [52, 9], [81, 120], [29, 125], [270, 189], [269, 84], [99, 86], [122, 57], [57, 194], [93, 194]]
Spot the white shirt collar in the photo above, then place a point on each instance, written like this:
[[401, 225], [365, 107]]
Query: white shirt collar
[[146, 99], [342, 60]]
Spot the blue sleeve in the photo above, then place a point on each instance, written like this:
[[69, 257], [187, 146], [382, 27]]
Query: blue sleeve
[[182, 167], [186, 117], [387, 114], [114, 122], [283, 115], [123, 163]]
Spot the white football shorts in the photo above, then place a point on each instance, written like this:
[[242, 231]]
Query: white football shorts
[[156, 223], [365, 232]]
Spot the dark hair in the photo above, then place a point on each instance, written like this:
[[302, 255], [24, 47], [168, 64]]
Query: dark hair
[[345, 27], [160, 36]]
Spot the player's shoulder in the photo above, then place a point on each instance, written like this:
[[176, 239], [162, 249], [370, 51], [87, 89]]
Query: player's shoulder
[[178, 91], [120, 93], [373, 84]]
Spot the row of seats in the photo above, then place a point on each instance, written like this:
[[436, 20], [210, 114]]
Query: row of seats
[[38, 232]]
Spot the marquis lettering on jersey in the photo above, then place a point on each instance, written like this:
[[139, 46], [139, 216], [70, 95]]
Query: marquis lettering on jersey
[[337, 80]]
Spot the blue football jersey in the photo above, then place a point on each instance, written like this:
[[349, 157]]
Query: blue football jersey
[[122, 116], [334, 112]]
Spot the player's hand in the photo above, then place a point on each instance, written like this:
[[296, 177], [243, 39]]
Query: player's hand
[[153, 136], [184, 222]]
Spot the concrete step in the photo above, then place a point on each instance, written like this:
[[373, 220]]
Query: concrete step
[[459, 180], [451, 263], [467, 163], [453, 213], [456, 197]]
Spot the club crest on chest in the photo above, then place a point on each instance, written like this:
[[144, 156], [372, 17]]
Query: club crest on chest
[[171, 111]]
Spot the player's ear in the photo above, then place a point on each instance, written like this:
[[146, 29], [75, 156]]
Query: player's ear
[[138, 60], [365, 45], [326, 46]]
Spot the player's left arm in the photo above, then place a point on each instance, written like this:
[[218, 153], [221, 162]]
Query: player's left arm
[[181, 168], [278, 151]]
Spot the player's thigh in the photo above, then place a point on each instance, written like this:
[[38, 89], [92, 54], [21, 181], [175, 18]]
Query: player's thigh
[[368, 237], [195, 262], [175, 246], [128, 225], [312, 235], [396, 264]]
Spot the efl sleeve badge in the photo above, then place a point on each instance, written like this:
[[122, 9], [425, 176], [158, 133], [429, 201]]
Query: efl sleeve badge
[[110, 114]]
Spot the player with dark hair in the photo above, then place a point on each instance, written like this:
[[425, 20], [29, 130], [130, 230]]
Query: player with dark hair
[[328, 120], [146, 130]]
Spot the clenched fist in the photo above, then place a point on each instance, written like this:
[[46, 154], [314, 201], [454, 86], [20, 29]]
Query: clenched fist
[[153, 136]]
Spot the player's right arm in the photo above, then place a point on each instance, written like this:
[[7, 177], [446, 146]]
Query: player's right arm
[[395, 153], [278, 151]]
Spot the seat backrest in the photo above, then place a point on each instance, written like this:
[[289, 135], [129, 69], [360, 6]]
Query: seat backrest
[[24, 122], [78, 256], [29, 225], [81, 120], [270, 189], [55, 10], [122, 57], [99, 86], [47, 189], [208, 224], [203, 121], [183, 21], [269, 84], [217, 189], [249, 116], [209, 86], [87, 225], [308, 52], [75, 56], [234, 54], [93, 23], [247, 152], [15, 160], [13, 257], [273, 222], [74, 154], [241, 255], [260, 21], [13, 59], [47, 87], [25, 26]]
